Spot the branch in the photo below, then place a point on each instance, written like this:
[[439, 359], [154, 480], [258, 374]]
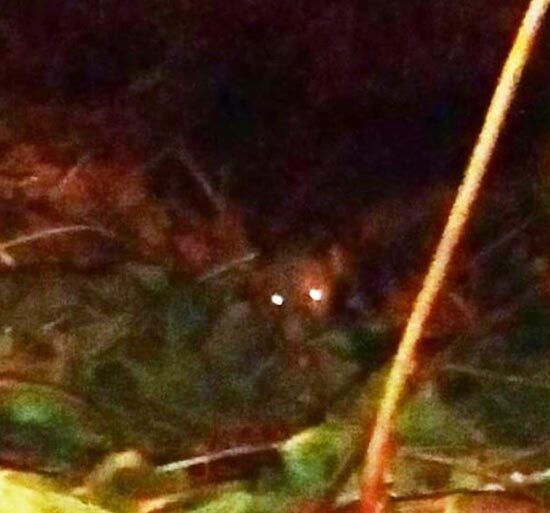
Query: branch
[[8, 260], [233, 452]]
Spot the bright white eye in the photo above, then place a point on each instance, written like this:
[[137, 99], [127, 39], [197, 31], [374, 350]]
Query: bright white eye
[[277, 299], [316, 294]]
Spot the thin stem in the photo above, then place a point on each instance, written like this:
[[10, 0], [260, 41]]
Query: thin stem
[[373, 492], [494, 246], [188, 161], [489, 375], [220, 269], [233, 452], [8, 260], [52, 232]]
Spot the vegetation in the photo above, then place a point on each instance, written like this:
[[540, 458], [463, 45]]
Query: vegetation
[[214, 221]]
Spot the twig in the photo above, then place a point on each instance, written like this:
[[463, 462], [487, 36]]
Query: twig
[[495, 376], [463, 307], [480, 463], [489, 489], [188, 161], [223, 268], [487, 251], [179, 149], [473, 466], [51, 232], [373, 492], [233, 452], [8, 260]]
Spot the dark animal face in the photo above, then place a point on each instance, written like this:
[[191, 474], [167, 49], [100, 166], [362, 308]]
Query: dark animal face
[[300, 292], [300, 285]]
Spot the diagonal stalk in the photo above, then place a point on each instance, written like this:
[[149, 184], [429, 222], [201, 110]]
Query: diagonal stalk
[[373, 492]]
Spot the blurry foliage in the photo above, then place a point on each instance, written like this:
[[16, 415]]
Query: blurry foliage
[[44, 429], [165, 358], [157, 349], [26, 493], [425, 421], [177, 367], [314, 459]]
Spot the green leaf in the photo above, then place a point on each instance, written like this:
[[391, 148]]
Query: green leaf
[[314, 459], [45, 429]]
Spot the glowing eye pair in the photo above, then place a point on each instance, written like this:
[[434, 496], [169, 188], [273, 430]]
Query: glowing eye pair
[[314, 294]]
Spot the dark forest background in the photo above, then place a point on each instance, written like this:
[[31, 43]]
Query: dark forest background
[[301, 111]]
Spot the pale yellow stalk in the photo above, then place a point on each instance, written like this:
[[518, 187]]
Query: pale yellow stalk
[[373, 492]]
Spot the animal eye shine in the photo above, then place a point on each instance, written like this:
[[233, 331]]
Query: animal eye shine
[[277, 299], [316, 294]]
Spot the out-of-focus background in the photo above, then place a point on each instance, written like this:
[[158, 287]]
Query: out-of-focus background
[[214, 218]]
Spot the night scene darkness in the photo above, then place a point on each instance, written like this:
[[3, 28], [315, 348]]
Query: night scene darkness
[[308, 109], [216, 218]]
